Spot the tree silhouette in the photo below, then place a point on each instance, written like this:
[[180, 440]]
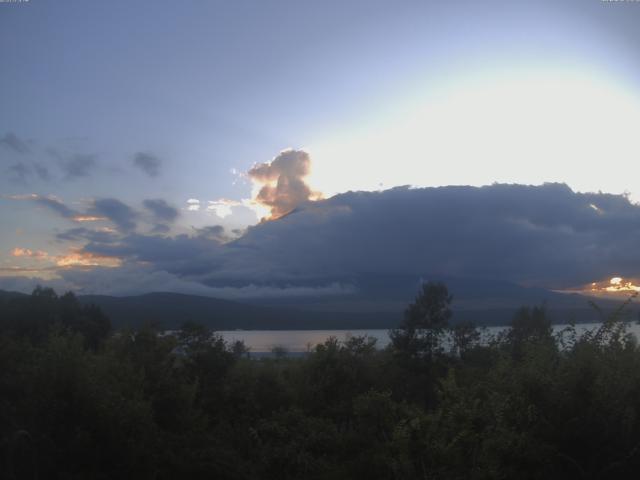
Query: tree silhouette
[[425, 320]]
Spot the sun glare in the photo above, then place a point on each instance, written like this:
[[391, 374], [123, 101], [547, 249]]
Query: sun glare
[[614, 285], [523, 128]]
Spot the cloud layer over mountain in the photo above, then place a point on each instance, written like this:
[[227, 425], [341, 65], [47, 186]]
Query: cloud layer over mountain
[[546, 236]]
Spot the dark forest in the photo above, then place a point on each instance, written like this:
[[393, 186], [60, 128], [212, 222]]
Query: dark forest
[[80, 401]]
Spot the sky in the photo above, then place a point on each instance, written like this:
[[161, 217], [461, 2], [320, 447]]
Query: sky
[[180, 145]]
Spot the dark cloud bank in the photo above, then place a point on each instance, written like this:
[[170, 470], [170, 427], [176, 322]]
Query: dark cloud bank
[[544, 236]]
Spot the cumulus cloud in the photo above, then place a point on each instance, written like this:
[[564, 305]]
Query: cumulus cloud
[[223, 207], [281, 182], [193, 204], [148, 163], [12, 142], [161, 210]]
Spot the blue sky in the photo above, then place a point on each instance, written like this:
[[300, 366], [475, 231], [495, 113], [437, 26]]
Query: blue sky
[[379, 94]]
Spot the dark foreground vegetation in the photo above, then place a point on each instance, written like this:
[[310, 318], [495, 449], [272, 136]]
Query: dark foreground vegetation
[[78, 401]]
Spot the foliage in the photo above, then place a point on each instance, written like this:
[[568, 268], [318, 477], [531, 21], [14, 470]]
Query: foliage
[[424, 322], [78, 401]]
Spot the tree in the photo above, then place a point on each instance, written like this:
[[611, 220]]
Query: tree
[[464, 336], [424, 322], [529, 325]]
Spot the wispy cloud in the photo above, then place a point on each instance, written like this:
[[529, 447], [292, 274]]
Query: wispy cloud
[[19, 172], [78, 257], [148, 163], [78, 165], [100, 235], [161, 210], [74, 257], [11, 141], [119, 213], [50, 202], [26, 252]]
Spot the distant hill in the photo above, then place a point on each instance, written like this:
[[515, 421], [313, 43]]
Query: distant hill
[[378, 303], [485, 302], [170, 310], [6, 295]]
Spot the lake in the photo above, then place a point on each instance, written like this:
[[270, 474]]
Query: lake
[[300, 341]]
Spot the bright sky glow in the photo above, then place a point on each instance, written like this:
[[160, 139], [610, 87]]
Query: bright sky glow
[[149, 135], [615, 285], [525, 127]]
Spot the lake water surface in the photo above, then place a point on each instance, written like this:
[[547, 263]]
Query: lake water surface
[[299, 341]]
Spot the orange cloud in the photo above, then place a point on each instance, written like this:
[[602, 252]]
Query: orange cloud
[[25, 252], [78, 258], [280, 184], [613, 287], [87, 218], [75, 258]]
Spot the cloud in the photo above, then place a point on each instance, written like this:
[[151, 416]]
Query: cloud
[[148, 163], [280, 183], [223, 207], [75, 257], [180, 254], [58, 206], [79, 258], [52, 203], [102, 235], [78, 165], [116, 211], [136, 280], [213, 232], [160, 228], [42, 171], [11, 141], [548, 236], [26, 252], [110, 209], [193, 204], [19, 172], [161, 210], [533, 235]]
